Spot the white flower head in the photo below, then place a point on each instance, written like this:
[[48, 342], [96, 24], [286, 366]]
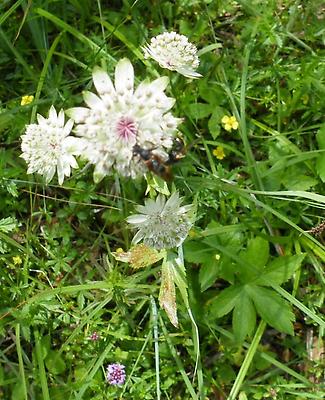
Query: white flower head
[[162, 224], [47, 146], [120, 117], [174, 52]]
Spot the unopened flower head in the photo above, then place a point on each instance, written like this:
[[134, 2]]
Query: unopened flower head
[[120, 117], [174, 52], [115, 374], [47, 146], [162, 224], [229, 123]]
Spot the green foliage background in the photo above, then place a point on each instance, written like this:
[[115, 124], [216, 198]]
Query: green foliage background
[[254, 270]]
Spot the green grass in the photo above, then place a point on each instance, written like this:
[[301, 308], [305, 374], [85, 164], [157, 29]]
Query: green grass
[[249, 277]]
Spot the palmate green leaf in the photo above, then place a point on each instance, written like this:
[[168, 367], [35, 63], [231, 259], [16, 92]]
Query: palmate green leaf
[[272, 308], [243, 317], [225, 301], [256, 257], [280, 270]]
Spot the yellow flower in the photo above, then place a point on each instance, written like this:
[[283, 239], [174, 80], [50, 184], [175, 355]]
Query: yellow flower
[[17, 260], [229, 123], [26, 100], [219, 153]]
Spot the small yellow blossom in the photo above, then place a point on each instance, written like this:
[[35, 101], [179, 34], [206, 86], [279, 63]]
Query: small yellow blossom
[[17, 260], [26, 100], [217, 256], [119, 250], [229, 123], [219, 153]]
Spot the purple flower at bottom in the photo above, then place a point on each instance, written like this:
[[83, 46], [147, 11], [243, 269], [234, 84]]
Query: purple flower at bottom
[[115, 374]]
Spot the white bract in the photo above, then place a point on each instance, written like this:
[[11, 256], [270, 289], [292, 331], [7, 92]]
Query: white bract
[[120, 117], [162, 224], [47, 146], [174, 52]]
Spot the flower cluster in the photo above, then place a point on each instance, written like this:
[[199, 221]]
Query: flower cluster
[[116, 120], [174, 52], [121, 117], [48, 148], [115, 374], [162, 224]]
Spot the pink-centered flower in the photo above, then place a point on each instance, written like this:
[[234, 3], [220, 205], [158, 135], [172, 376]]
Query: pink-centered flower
[[120, 117]]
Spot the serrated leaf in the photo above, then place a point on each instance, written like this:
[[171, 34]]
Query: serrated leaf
[[257, 252], [272, 308], [209, 272], [255, 257], [8, 224], [280, 270], [243, 317], [167, 293], [225, 301], [139, 256]]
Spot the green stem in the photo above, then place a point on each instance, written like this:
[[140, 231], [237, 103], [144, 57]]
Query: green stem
[[156, 344], [247, 361], [21, 362], [41, 367]]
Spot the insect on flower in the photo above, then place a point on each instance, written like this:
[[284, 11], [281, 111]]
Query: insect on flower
[[156, 163]]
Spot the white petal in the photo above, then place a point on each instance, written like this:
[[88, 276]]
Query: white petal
[[50, 173], [52, 114], [137, 219], [78, 114], [60, 172], [68, 126], [60, 118], [93, 101], [124, 76], [41, 120], [137, 237], [188, 73], [102, 81], [160, 84], [73, 145]]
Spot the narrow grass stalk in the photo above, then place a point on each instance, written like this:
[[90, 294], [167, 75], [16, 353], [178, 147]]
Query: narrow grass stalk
[[299, 305], [41, 367], [43, 75], [66, 27], [266, 357], [156, 344], [21, 362], [135, 365], [12, 9], [89, 376], [178, 361], [247, 361]]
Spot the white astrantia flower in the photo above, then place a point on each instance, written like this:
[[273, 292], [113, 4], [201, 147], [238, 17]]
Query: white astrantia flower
[[47, 147], [120, 117], [174, 52], [162, 224]]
